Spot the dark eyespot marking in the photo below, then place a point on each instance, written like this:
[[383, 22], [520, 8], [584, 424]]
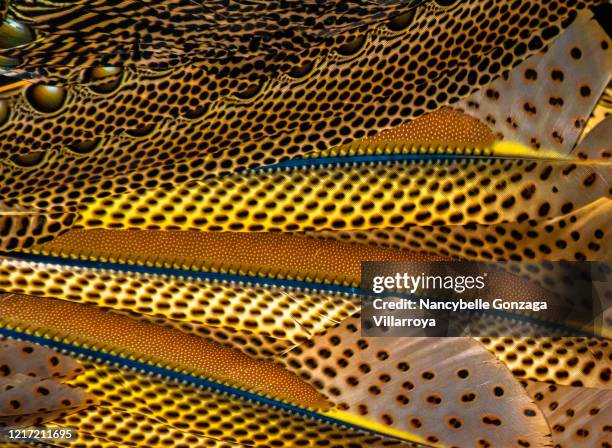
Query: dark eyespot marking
[[582, 432], [590, 180], [531, 74], [382, 355], [416, 423], [402, 366], [352, 46], [528, 192], [407, 385], [365, 368], [434, 399], [250, 92], [46, 99], [463, 373], [491, 420], [196, 112], [84, 146], [401, 22], [301, 71], [29, 160], [555, 101], [104, 79], [140, 131], [492, 94], [4, 112], [455, 422], [576, 53], [15, 34], [466, 398], [43, 391], [428, 375], [585, 91], [529, 108], [557, 75]]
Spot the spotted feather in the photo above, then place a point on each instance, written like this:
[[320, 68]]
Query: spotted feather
[[578, 417], [448, 391], [549, 113], [22, 358]]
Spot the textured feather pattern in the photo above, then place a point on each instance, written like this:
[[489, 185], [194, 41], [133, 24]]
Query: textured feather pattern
[[22, 358], [578, 362], [58, 133], [449, 391], [576, 233], [549, 114], [22, 394], [32, 388], [188, 189], [579, 417]]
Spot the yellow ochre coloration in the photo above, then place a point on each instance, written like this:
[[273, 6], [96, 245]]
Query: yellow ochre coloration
[[467, 148], [147, 411], [378, 427], [263, 254], [107, 383], [442, 127], [447, 391], [242, 315], [153, 344], [181, 112], [146, 146], [585, 362], [443, 131], [33, 387], [553, 238], [516, 186], [14, 86]]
